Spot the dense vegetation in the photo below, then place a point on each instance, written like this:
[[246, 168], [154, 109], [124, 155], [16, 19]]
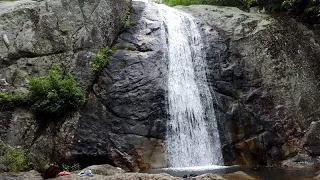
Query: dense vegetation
[[15, 159], [306, 10], [56, 93]]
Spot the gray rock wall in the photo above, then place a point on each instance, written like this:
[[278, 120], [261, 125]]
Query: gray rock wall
[[264, 73], [37, 34], [125, 117]]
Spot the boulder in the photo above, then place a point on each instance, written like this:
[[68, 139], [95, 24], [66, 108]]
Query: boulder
[[316, 177], [31, 175], [127, 176], [105, 169], [209, 177], [239, 175], [311, 141], [302, 161]]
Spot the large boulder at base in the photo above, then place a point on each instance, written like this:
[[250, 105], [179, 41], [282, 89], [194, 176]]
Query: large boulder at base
[[209, 177], [311, 141], [127, 176], [105, 169], [302, 161], [31, 175], [239, 175], [316, 177]]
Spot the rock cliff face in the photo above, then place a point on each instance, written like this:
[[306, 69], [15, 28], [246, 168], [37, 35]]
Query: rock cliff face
[[263, 72], [125, 117], [37, 34]]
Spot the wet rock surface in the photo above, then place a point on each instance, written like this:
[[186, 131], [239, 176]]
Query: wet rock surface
[[264, 75], [239, 175], [124, 119]]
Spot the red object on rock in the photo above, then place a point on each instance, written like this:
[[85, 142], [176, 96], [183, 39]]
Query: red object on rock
[[64, 173]]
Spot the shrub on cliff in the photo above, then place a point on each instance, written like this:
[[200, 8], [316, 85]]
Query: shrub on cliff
[[56, 93], [15, 159], [181, 2]]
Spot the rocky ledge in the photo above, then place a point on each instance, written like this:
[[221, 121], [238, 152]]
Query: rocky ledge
[[107, 172]]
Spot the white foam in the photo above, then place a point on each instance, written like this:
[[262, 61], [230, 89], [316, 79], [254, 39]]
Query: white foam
[[192, 137], [199, 168]]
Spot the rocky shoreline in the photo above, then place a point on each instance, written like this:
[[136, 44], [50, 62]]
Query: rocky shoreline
[[108, 172]]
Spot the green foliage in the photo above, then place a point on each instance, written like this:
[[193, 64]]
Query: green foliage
[[15, 159], [236, 3], [56, 93], [126, 19], [101, 59], [14, 97], [157, 1], [64, 31], [74, 167], [181, 2]]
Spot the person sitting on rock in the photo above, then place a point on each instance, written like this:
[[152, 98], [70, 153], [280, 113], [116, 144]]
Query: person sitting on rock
[[52, 171]]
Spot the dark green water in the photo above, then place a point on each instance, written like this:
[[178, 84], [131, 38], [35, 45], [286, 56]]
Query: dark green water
[[263, 173]]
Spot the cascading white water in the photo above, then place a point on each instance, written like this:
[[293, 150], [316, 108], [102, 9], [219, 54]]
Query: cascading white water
[[192, 135]]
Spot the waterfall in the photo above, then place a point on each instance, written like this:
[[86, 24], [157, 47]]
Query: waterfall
[[192, 135]]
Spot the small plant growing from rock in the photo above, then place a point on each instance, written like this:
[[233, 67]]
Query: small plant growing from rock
[[12, 97], [74, 167], [126, 19], [15, 159], [101, 59], [64, 31], [56, 93]]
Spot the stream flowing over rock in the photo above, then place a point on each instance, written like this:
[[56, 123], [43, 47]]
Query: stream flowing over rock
[[263, 72]]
